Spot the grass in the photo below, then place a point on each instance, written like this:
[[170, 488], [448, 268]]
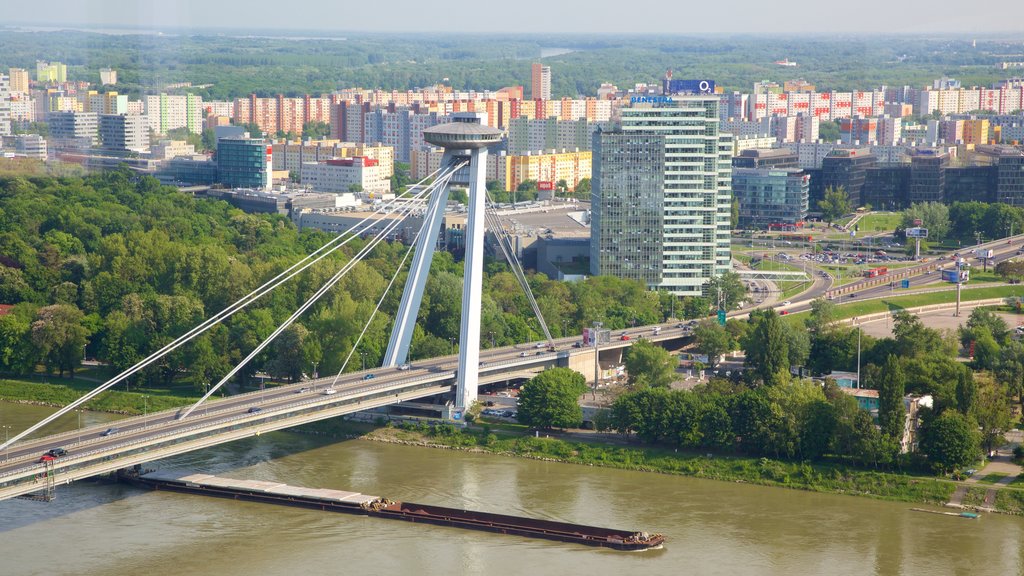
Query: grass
[[827, 477], [1010, 501], [993, 478], [67, 391], [975, 496], [851, 309], [879, 222], [1018, 481]]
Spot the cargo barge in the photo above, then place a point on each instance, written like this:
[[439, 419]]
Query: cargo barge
[[365, 505]]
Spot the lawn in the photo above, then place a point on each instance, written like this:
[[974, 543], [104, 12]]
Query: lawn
[[879, 222], [993, 478], [851, 309]]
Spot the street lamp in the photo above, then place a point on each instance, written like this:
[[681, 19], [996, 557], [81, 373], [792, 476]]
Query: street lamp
[[7, 449], [597, 364], [79, 425], [145, 411], [491, 334], [452, 340]]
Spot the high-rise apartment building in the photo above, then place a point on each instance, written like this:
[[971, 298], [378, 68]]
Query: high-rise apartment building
[[52, 72], [124, 133], [529, 135], [169, 111], [662, 187], [540, 86], [19, 80], [5, 107]]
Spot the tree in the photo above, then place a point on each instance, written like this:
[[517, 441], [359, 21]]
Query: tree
[[551, 399], [835, 204], [712, 339], [355, 188], [984, 317], [1010, 369], [288, 357], [734, 218], [767, 348], [1011, 270], [891, 412], [993, 413], [950, 442], [582, 190], [729, 287], [649, 365], [59, 334], [823, 315], [209, 139], [315, 130], [933, 215], [828, 131]]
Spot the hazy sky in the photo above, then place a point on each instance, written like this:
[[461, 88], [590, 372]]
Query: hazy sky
[[788, 17]]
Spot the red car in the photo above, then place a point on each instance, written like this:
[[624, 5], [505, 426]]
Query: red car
[[783, 312], [624, 337]]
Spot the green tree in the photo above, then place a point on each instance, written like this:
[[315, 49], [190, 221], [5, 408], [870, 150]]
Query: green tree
[[583, 190], [18, 354], [551, 399], [713, 340], [950, 442], [933, 215], [767, 348], [59, 334], [209, 139], [891, 412], [729, 287], [984, 317], [315, 130], [835, 204], [287, 357], [649, 365], [1010, 270], [734, 218], [1010, 369], [828, 131], [993, 412]]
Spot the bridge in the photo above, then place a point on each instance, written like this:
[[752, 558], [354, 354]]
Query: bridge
[[159, 435]]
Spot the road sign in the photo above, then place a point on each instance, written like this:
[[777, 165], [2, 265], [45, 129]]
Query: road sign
[[917, 232], [721, 317], [904, 283]]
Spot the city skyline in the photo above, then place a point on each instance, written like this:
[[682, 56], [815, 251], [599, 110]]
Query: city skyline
[[568, 17]]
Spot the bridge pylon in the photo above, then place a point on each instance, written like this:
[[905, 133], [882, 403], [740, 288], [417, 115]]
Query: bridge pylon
[[465, 141]]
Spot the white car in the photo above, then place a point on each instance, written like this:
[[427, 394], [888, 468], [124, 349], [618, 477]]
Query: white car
[[786, 303], [404, 366], [330, 391], [538, 345]]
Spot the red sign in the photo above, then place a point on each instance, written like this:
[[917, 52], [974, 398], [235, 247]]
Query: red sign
[[545, 185]]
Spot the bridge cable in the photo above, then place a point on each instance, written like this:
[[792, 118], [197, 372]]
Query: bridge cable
[[289, 273], [505, 243], [381, 236]]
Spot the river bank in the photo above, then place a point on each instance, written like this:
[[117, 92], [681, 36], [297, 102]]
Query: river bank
[[114, 401], [817, 477]]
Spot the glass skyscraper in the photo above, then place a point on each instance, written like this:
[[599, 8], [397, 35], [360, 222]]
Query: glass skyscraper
[[662, 187]]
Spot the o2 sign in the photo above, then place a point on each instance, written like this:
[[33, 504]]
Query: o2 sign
[[689, 87]]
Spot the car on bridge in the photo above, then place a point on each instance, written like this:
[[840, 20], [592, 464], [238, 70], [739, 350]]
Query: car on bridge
[[329, 391], [255, 410], [624, 337], [53, 454], [404, 366], [369, 377], [109, 431]]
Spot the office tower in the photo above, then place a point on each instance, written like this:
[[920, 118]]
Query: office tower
[[124, 133], [662, 199], [244, 162]]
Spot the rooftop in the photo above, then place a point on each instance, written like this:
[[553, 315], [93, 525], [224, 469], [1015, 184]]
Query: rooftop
[[462, 135]]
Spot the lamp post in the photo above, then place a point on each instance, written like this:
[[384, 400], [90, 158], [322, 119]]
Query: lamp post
[[452, 340], [79, 425], [7, 432], [206, 390], [362, 359], [597, 364], [145, 411], [491, 334]]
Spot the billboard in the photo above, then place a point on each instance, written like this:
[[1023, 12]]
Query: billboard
[[688, 86], [545, 185], [917, 232]]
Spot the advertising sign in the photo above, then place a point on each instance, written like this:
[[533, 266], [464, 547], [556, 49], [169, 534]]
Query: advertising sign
[[917, 232], [689, 87], [546, 185]]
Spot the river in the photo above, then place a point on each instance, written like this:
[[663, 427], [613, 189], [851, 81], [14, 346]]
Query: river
[[712, 527]]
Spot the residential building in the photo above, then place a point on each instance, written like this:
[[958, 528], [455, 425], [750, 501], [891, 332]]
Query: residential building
[[662, 200], [108, 76], [124, 133], [525, 134], [359, 174], [281, 114], [811, 154], [19, 80], [170, 111], [889, 130], [27, 145], [548, 167], [540, 87], [106, 103], [291, 156], [75, 130], [769, 196], [51, 72], [858, 131], [244, 163], [5, 106]]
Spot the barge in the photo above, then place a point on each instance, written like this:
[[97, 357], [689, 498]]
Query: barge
[[362, 504]]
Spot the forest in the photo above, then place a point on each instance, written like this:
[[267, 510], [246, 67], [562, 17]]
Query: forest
[[112, 266], [233, 64]]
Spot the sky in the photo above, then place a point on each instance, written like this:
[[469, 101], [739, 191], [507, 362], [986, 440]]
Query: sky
[[783, 17]]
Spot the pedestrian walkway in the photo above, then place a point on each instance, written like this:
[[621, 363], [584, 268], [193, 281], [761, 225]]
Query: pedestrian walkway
[[1000, 463]]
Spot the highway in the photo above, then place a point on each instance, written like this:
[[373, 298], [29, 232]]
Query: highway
[[142, 439]]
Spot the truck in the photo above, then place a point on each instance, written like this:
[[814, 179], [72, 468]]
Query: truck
[[984, 253]]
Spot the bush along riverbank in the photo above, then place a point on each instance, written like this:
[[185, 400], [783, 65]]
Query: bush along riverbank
[[118, 402], [829, 478]]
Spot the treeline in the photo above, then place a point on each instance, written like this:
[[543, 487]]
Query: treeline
[[965, 221], [236, 66], [767, 410], [118, 265]]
